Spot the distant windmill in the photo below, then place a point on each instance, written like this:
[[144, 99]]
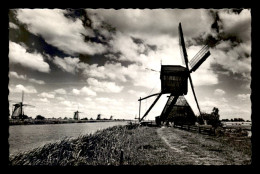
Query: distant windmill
[[18, 111], [76, 114], [174, 79]]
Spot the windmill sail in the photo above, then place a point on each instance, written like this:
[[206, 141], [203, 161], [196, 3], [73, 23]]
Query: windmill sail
[[199, 58], [183, 51]]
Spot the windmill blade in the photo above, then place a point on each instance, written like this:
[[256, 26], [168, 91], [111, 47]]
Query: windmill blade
[[199, 58], [22, 96], [183, 51], [28, 105], [185, 56], [193, 91]]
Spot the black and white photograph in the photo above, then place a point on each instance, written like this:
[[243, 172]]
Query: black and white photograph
[[129, 87]]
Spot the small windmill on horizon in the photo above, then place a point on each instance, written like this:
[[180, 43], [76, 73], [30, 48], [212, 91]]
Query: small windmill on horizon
[[174, 79], [18, 111], [76, 115]]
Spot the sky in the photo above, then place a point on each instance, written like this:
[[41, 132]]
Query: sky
[[99, 61]]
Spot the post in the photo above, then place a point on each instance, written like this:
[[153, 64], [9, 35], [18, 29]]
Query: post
[[139, 109], [122, 157]]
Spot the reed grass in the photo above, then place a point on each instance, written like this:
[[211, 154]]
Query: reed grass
[[101, 148], [139, 145]]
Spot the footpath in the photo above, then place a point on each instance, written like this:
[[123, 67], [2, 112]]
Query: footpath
[[193, 148]]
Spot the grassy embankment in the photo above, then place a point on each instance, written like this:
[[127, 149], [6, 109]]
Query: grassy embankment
[[140, 145], [102, 148]]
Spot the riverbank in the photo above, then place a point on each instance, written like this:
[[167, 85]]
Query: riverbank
[[139, 145], [56, 121]]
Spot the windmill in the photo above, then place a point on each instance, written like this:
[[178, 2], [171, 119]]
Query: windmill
[[76, 114], [174, 79], [18, 111]]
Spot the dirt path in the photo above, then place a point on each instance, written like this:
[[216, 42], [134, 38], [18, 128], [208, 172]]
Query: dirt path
[[196, 149]]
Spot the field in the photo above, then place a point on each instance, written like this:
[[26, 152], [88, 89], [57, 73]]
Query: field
[[141, 145]]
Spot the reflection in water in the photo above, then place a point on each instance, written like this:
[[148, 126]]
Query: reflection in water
[[27, 137]]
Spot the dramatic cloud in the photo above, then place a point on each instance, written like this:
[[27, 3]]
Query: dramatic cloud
[[67, 64], [131, 44], [239, 54], [35, 61], [238, 25], [59, 31], [153, 22]]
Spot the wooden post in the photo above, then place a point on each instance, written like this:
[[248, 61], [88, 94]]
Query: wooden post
[[139, 109], [199, 129], [122, 157]]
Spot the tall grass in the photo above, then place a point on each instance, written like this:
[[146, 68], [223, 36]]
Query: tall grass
[[102, 148]]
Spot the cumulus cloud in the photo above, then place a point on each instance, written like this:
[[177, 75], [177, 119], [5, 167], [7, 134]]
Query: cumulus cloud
[[148, 22], [84, 91], [104, 86], [12, 25], [66, 103], [60, 98], [19, 55], [60, 91], [23, 77], [46, 95], [236, 59], [15, 75], [60, 31], [137, 93], [219, 92], [67, 64], [19, 88], [243, 97], [88, 99], [45, 100], [238, 25]]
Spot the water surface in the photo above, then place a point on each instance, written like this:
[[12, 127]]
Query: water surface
[[27, 137]]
